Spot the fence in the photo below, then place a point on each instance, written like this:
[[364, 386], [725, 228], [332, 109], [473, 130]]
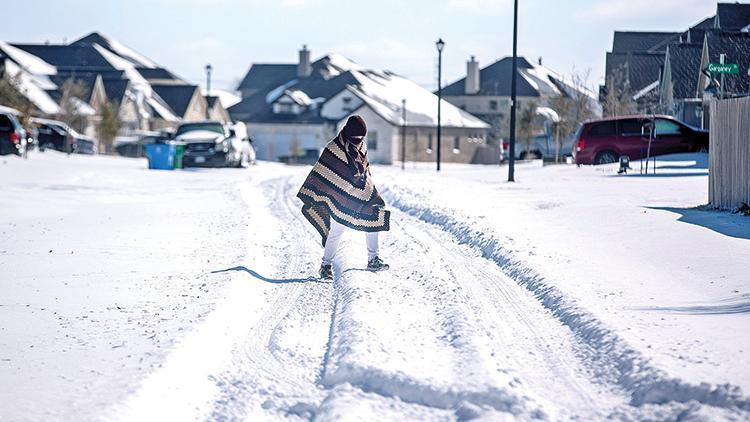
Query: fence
[[729, 149]]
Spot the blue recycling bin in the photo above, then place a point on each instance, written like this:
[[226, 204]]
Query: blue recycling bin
[[160, 156]]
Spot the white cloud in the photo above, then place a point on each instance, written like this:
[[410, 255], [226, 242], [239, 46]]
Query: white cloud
[[628, 9]]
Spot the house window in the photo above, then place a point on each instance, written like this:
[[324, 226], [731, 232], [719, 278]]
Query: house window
[[429, 143], [493, 104], [347, 104], [456, 144], [372, 140]]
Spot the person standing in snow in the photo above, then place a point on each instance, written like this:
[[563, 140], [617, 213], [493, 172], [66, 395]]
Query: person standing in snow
[[339, 193]]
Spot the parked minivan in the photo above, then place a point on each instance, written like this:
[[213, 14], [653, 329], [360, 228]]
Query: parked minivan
[[604, 141]]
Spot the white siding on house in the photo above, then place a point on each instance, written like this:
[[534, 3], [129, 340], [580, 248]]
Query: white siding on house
[[340, 105], [272, 140]]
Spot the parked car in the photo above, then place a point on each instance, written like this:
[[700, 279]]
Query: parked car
[[12, 135], [540, 147], [52, 134], [135, 146], [604, 141], [215, 144]]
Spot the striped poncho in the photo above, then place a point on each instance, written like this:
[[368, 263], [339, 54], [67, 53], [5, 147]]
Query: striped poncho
[[332, 190]]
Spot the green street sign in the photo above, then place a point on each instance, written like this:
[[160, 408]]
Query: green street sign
[[729, 68]]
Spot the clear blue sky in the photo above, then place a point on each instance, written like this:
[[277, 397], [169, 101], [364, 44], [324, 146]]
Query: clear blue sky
[[184, 35]]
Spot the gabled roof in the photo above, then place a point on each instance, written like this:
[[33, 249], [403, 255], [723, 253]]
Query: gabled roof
[[257, 108], [641, 41], [495, 80], [176, 96], [736, 46], [695, 33], [732, 16], [158, 73], [640, 69], [115, 47], [115, 89], [263, 76], [684, 63], [211, 101], [333, 74], [67, 57]]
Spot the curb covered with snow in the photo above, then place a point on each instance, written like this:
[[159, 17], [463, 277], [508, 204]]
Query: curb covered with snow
[[632, 371]]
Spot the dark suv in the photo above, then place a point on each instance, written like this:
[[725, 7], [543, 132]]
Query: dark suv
[[605, 140], [52, 134], [12, 135]]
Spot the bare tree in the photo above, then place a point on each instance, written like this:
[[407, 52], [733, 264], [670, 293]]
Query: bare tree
[[109, 125], [619, 95], [72, 94], [573, 106], [526, 123]]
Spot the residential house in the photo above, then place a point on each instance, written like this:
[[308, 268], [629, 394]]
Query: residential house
[[485, 92], [290, 109], [185, 101], [681, 84]]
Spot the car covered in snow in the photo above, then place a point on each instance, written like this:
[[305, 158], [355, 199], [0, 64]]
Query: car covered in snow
[[12, 134], [53, 134], [215, 144], [604, 141]]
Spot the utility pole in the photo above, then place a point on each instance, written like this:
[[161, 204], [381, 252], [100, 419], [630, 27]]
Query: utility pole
[[512, 152], [403, 134], [439, 44]]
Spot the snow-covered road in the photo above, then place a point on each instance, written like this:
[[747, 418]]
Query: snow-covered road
[[457, 329]]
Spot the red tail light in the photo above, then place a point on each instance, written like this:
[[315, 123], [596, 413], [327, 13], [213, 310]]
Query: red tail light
[[580, 145], [15, 138]]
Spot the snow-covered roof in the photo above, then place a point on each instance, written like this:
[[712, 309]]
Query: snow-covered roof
[[548, 113], [227, 98], [384, 91], [298, 97], [26, 61], [648, 88], [33, 88], [117, 48]]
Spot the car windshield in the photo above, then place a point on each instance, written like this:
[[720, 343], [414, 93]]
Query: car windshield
[[190, 127]]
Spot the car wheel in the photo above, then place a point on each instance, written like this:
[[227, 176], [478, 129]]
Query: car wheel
[[606, 157], [46, 146]]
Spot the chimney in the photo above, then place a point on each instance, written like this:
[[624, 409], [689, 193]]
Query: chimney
[[472, 77], [304, 68], [540, 60]]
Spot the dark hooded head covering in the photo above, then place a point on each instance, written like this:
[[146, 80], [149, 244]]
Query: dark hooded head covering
[[355, 126]]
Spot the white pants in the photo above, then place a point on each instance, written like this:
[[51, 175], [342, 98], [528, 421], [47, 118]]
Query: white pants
[[334, 236]]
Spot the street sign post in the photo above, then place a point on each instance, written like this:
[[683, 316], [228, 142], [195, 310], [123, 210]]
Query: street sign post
[[726, 68]]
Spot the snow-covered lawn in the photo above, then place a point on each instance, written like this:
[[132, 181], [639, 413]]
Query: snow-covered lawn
[[131, 294]]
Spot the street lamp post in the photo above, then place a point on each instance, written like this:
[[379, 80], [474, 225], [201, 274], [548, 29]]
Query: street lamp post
[[512, 151], [209, 68], [440, 44]]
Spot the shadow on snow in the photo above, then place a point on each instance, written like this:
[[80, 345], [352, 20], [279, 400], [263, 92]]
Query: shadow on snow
[[270, 280]]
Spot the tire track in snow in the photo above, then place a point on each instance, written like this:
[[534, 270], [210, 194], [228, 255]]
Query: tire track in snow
[[273, 373], [645, 384], [519, 332]]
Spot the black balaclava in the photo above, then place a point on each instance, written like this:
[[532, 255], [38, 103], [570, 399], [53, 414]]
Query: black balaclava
[[355, 126]]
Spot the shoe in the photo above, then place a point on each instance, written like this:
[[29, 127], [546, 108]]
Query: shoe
[[326, 272], [377, 264]]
